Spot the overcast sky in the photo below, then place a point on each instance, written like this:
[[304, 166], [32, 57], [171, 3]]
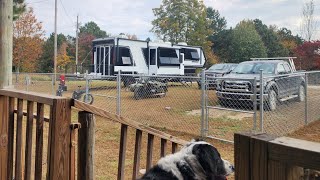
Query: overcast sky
[[135, 16]]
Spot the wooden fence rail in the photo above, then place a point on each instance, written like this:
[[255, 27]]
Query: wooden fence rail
[[20, 111], [265, 157]]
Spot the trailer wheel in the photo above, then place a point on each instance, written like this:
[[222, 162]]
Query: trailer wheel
[[138, 93]]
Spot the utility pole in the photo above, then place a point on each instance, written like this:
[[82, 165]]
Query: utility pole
[[55, 42], [6, 37], [77, 43]]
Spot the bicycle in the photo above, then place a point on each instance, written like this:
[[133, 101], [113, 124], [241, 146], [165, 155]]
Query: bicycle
[[59, 90], [87, 98]]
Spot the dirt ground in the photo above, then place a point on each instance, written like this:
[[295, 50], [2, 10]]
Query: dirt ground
[[178, 114]]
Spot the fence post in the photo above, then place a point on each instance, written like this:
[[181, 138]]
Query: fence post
[[59, 140], [255, 104], [306, 100], [119, 93], [203, 102], [261, 100], [86, 144], [4, 148]]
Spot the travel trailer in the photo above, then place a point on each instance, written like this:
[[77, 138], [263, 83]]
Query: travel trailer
[[114, 54]]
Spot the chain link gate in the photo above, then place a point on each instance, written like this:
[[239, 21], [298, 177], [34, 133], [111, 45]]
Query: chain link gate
[[227, 111]]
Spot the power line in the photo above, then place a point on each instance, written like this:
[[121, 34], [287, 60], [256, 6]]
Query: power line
[[66, 12]]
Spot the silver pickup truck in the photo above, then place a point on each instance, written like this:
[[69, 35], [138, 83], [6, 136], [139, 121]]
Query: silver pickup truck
[[280, 83]]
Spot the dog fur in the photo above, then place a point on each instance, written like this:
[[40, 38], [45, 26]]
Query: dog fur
[[198, 160]]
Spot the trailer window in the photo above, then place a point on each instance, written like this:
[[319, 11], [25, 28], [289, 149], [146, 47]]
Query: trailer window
[[191, 54], [168, 56], [125, 58]]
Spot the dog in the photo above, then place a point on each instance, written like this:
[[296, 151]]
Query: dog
[[198, 160]]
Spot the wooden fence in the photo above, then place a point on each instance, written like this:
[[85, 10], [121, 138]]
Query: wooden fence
[[265, 157], [19, 161]]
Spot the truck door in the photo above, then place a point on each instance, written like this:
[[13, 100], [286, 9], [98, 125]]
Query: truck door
[[153, 56], [283, 81]]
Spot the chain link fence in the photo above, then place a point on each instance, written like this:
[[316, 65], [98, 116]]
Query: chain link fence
[[205, 105]]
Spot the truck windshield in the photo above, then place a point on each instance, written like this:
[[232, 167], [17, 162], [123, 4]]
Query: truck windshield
[[218, 67], [254, 68]]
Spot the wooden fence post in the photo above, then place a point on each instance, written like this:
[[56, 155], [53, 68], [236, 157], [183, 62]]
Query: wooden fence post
[[4, 119], [86, 143], [59, 139]]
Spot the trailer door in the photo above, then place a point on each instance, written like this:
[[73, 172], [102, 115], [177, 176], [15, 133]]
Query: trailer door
[[153, 61]]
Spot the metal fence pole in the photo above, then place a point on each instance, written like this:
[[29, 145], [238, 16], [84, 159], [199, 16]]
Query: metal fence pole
[[255, 104], [27, 82], [87, 86], [306, 100], [203, 103], [261, 101], [52, 85], [119, 93]]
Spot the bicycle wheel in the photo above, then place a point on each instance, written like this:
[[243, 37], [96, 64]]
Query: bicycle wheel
[[88, 98]]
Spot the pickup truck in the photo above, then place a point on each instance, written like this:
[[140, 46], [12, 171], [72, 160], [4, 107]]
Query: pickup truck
[[280, 83], [216, 70]]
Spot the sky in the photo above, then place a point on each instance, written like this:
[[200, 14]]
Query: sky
[[135, 16]]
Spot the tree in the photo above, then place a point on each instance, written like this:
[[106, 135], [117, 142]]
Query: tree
[[93, 29], [19, 7], [217, 23], [308, 24], [27, 42], [289, 41], [308, 55], [183, 21], [85, 49], [246, 43], [46, 61], [132, 36], [270, 39], [63, 60], [221, 45]]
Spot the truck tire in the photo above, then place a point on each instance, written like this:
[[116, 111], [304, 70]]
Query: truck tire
[[301, 93], [272, 100]]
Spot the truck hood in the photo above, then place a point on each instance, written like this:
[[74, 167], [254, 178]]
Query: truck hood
[[244, 76]]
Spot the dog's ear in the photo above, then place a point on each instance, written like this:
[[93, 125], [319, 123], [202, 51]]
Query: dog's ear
[[208, 158]]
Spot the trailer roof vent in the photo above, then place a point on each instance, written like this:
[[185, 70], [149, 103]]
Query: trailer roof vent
[[168, 42], [123, 36], [182, 43]]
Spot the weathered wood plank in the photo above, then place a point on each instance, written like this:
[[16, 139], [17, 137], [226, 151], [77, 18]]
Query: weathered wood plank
[[18, 167], [28, 150], [39, 141], [4, 118], [122, 120], [30, 96], [305, 153], [276, 170], [137, 151], [163, 148], [259, 156], [149, 151], [242, 156], [74, 130], [59, 154], [11, 138], [122, 151], [46, 119], [86, 143], [174, 148]]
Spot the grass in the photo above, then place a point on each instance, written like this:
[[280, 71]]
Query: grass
[[168, 114]]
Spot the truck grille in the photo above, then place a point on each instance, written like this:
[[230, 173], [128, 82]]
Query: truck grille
[[236, 86]]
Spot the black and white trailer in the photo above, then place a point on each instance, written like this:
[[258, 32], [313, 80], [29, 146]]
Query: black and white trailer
[[114, 54]]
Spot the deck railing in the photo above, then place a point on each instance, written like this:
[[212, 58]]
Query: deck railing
[[19, 160], [266, 157]]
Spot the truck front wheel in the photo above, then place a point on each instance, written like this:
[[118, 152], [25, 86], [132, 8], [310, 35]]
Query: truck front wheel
[[272, 100]]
